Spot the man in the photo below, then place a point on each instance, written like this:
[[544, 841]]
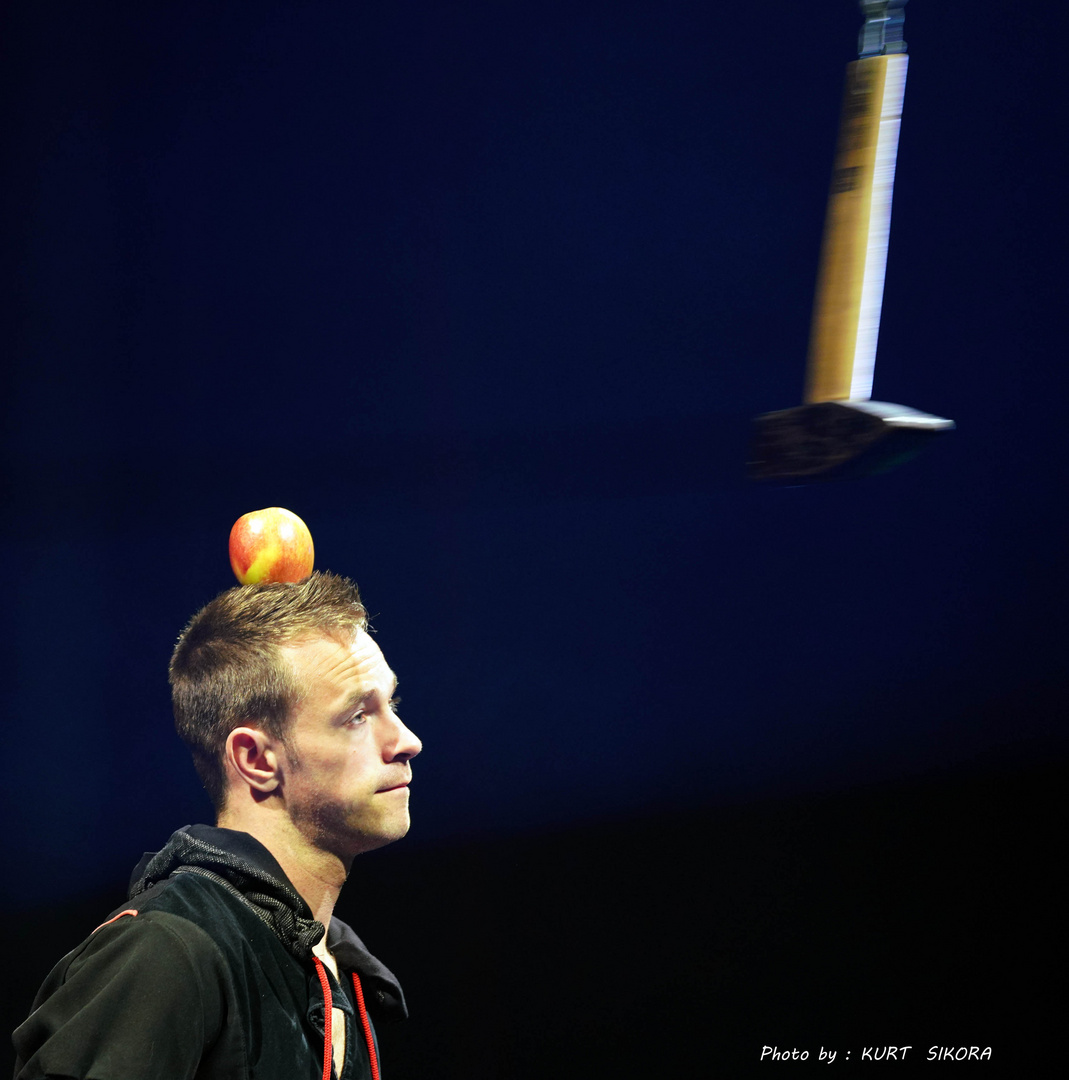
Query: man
[[218, 965]]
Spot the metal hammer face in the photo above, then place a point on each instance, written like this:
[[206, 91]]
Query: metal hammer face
[[838, 440]]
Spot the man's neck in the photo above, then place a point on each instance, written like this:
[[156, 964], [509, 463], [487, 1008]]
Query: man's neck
[[317, 875]]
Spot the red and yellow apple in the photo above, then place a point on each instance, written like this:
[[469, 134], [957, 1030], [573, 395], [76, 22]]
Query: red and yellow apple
[[271, 545]]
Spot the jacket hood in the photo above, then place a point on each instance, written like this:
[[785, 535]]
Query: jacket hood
[[247, 869], [242, 864]]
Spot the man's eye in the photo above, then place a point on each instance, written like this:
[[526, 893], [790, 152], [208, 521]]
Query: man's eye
[[357, 718]]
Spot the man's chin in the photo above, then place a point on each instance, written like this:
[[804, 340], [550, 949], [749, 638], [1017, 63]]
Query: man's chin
[[365, 838]]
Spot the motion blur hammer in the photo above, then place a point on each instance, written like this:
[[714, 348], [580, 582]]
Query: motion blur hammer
[[839, 432]]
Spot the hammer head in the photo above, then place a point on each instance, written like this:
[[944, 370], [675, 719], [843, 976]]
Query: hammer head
[[838, 440]]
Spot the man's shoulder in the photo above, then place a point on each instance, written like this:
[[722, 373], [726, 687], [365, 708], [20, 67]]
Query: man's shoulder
[[188, 947], [97, 1010], [146, 939], [193, 928]]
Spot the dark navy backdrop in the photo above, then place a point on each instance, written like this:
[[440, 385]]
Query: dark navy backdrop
[[488, 293]]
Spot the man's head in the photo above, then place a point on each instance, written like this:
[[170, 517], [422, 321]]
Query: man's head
[[229, 669]]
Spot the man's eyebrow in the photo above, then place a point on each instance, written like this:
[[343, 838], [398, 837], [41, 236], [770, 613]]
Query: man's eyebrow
[[356, 698], [359, 696]]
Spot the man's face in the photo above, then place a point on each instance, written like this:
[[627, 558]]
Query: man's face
[[346, 763]]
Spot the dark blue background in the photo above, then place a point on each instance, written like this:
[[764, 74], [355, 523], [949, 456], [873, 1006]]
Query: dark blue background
[[488, 293]]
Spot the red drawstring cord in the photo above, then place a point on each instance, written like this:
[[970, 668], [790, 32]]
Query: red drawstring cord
[[328, 1004], [360, 1008]]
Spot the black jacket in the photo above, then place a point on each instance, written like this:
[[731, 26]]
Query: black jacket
[[207, 973]]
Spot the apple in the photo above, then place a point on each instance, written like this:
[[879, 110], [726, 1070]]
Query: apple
[[271, 545]]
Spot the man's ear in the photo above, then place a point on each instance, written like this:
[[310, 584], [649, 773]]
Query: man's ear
[[251, 754]]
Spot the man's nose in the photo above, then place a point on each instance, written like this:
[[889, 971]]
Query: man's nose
[[406, 745]]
